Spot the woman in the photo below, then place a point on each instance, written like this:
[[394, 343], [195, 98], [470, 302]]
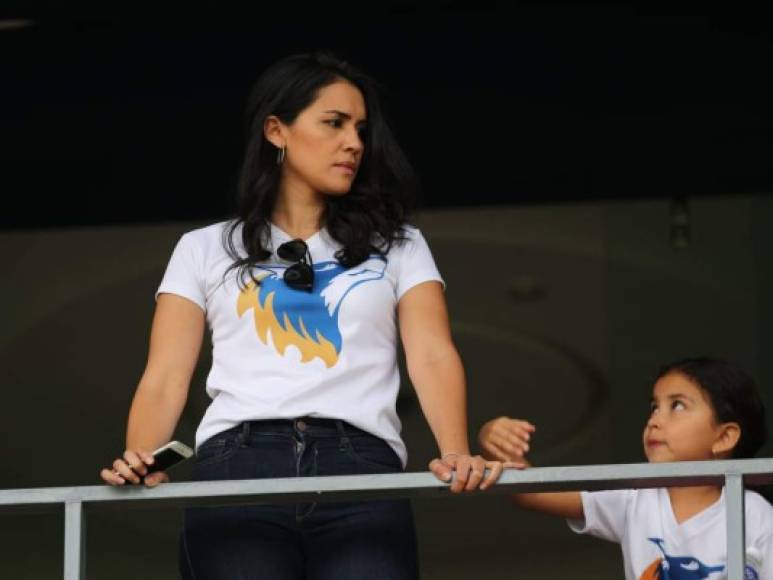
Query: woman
[[304, 292]]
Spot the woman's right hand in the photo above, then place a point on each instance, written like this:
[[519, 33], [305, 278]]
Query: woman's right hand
[[132, 468], [506, 439]]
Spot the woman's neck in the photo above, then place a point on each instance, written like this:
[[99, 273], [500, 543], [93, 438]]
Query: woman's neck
[[689, 501], [299, 214]]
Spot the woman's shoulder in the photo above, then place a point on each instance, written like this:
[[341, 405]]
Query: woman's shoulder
[[208, 231], [206, 244], [408, 235], [208, 235], [410, 231]]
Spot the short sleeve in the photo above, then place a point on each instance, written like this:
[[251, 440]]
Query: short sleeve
[[415, 263], [183, 273], [605, 514], [763, 552]]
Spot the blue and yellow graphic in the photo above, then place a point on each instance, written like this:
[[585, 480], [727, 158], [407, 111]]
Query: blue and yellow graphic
[[306, 320], [677, 567]]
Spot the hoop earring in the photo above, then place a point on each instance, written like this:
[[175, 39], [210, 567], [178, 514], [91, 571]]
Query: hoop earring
[[280, 156]]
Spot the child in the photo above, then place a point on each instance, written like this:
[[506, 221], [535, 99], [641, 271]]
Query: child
[[701, 409]]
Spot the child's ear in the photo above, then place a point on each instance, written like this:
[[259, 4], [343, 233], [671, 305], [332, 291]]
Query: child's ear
[[272, 130], [728, 435]]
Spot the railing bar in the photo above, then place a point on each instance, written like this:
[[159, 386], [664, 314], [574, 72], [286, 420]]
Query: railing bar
[[735, 514], [74, 542], [734, 473], [588, 477]]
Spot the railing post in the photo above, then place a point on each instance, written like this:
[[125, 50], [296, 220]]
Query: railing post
[[736, 537], [74, 541]]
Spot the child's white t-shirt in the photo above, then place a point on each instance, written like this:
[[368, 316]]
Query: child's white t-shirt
[[655, 546], [284, 353]]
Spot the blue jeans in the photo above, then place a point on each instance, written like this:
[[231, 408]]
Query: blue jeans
[[298, 541]]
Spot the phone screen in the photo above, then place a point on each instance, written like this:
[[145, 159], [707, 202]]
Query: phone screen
[[165, 459]]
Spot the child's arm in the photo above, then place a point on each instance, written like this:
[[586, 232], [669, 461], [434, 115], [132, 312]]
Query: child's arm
[[507, 439]]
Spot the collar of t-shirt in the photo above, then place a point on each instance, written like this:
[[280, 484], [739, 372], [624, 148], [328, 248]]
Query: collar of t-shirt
[[694, 525], [317, 240]]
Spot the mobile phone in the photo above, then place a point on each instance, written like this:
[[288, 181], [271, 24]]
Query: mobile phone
[[170, 454]]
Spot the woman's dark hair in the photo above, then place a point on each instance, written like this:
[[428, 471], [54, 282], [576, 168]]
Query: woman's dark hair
[[732, 394], [371, 216]]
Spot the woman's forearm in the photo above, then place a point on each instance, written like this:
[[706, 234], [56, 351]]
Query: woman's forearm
[[440, 385], [175, 342], [154, 414]]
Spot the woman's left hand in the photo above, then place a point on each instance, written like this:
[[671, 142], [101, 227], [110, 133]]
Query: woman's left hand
[[470, 471]]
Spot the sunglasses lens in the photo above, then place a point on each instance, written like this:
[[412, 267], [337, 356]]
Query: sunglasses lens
[[299, 276], [292, 251]]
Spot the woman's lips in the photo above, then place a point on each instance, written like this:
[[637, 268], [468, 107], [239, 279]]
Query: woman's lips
[[347, 167]]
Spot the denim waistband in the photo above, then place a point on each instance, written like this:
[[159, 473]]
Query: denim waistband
[[314, 426]]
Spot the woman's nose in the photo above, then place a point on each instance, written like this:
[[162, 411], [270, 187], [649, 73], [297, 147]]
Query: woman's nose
[[354, 141]]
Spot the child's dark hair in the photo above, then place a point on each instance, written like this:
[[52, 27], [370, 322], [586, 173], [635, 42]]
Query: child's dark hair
[[732, 394]]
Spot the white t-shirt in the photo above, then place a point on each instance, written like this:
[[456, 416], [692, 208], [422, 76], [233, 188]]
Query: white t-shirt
[[284, 353], [655, 546]]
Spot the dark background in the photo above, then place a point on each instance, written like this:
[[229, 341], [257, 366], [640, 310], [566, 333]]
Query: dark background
[[137, 119], [563, 131]]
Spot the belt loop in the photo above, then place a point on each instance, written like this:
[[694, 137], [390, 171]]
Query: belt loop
[[342, 432], [245, 434]]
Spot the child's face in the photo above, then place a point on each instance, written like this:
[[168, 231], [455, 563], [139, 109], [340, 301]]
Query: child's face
[[681, 426]]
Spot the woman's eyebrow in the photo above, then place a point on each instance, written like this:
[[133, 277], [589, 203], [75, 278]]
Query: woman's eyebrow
[[339, 113], [345, 115]]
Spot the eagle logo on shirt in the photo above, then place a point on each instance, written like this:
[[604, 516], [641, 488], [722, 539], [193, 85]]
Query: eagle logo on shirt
[[307, 320], [682, 567]]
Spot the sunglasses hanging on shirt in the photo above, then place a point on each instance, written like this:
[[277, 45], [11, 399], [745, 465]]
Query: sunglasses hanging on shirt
[[300, 275]]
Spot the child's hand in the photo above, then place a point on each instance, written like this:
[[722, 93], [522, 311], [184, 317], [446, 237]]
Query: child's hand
[[506, 439]]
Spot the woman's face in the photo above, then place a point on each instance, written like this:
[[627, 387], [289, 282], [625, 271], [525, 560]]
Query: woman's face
[[324, 144]]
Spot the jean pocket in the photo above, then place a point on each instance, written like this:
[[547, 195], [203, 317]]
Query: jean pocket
[[216, 449], [373, 453]]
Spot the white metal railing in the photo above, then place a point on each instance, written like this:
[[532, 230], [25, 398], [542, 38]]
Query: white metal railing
[[733, 474]]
